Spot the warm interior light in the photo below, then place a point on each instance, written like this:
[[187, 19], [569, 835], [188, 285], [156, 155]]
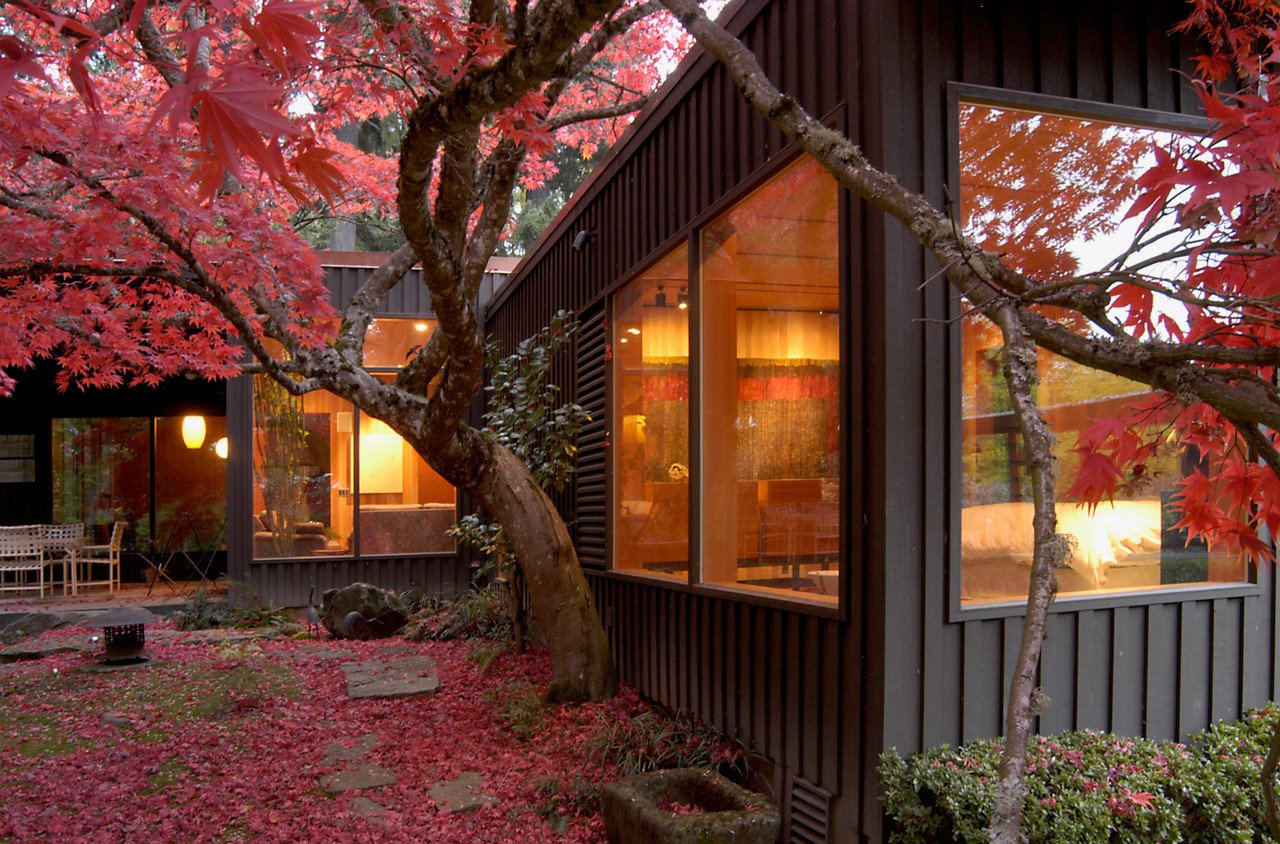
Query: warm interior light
[[634, 331], [220, 448], [421, 326], [193, 431], [683, 299]]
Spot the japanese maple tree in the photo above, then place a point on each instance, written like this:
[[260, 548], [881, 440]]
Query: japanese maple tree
[[154, 154], [1204, 338]]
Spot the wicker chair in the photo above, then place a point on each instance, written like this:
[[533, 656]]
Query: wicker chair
[[21, 554], [60, 543]]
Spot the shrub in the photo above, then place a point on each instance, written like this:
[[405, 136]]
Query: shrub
[[475, 614], [520, 707], [202, 612], [1087, 786], [653, 740]]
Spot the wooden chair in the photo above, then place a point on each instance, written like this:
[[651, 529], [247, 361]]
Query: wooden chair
[[106, 556], [21, 553]]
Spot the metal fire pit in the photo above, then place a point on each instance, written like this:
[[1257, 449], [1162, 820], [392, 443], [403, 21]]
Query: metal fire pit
[[124, 635]]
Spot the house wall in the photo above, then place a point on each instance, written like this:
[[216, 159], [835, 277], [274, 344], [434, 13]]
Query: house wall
[[773, 676], [900, 666], [1163, 664]]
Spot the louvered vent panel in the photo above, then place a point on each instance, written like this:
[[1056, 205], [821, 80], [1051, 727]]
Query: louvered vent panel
[[810, 813], [589, 531]]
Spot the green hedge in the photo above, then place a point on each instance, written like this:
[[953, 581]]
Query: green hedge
[[1091, 787]]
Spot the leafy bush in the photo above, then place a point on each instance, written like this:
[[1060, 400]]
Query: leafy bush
[[1089, 786], [575, 796], [520, 707], [475, 614], [202, 612], [653, 740]]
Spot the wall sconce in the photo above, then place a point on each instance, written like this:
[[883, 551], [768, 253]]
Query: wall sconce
[[193, 431], [661, 299], [220, 448], [682, 301], [582, 239]]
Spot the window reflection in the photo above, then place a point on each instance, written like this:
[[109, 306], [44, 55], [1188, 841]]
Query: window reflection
[[770, 342], [105, 469], [1049, 192], [650, 341], [766, 323]]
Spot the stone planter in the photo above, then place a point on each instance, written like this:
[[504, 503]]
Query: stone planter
[[723, 811]]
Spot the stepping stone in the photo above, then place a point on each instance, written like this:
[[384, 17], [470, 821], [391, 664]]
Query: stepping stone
[[398, 677], [464, 794], [357, 779], [36, 623], [340, 752], [39, 650], [363, 807], [215, 636]]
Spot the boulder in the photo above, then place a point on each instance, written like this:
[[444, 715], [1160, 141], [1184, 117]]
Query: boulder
[[362, 611]]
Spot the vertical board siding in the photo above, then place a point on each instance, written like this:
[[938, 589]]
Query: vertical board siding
[[819, 697], [1164, 669], [699, 653], [287, 583]]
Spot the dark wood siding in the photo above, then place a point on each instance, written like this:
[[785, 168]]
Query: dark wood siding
[[823, 697], [1163, 666]]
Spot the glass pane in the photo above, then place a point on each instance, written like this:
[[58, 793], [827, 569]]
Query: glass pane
[[405, 507], [770, 388], [302, 458], [390, 341], [191, 488], [650, 343], [1049, 192], [102, 474]]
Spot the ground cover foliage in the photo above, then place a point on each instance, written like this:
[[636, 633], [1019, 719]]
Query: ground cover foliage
[[1087, 786], [226, 742]]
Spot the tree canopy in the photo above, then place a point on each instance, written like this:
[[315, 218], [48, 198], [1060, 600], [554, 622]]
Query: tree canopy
[[157, 154]]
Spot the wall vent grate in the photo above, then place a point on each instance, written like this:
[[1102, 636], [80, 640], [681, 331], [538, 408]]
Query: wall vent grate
[[810, 813]]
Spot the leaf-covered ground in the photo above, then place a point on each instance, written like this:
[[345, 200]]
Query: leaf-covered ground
[[227, 743]]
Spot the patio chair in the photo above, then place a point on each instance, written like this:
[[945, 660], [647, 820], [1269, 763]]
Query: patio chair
[[59, 543], [106, 557], [21, 553]]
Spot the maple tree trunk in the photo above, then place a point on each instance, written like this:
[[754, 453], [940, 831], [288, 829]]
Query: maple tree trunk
[[1019, 361], [582, 669]]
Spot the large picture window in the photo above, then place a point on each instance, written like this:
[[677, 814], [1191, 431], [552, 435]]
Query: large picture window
[[331, 481], [651, 420], [1049, 193], [766, 412]]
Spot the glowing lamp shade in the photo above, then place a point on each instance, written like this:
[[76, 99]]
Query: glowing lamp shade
[[193, 431], [220, 448]]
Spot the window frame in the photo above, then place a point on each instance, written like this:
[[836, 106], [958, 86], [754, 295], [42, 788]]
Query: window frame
[[958, 93], [355, 551], [690, 236]]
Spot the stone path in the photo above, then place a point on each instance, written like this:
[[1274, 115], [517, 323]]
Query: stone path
[[399, 676], [464, 793], [396, 673]]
